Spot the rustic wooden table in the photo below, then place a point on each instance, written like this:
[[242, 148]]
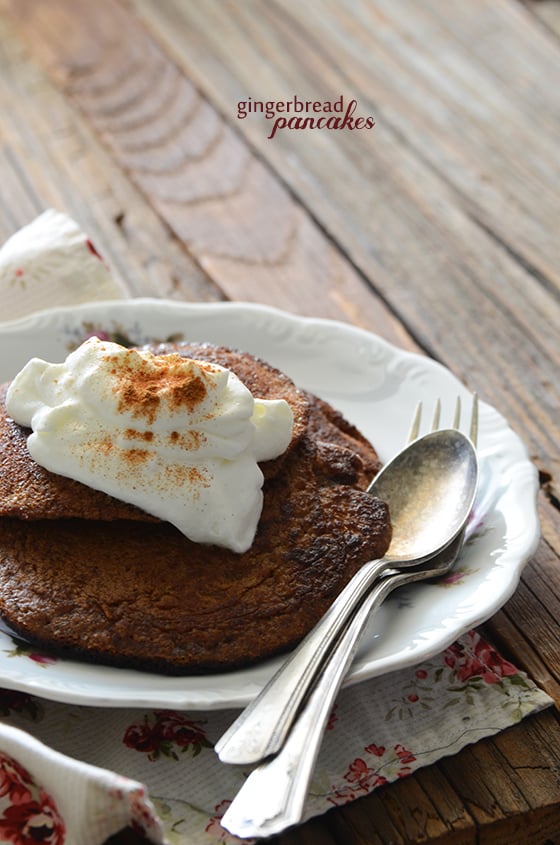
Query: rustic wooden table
[[437, 229]]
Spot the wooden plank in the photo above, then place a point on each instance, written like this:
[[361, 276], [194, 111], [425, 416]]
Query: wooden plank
[[314, 832], [513, 799], [49, 158], [547, 12], [366, 820], [413, 64], [240, 223], [509, 638], [526, 629], [534, 610], [426, 809], [456, 167]]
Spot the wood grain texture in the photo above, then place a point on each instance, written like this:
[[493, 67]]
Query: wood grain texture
[[547, 12], [237, 219], [518, 807], [435, 231], [50, 158], [461, 169]]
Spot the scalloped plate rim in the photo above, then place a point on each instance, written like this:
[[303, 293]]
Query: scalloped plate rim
[[75, 682]]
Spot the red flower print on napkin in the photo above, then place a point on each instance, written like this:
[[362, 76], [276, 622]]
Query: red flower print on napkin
[[478, 660], [363, 776], [15, 781], [164, 731], [91, 246], [29, 814]]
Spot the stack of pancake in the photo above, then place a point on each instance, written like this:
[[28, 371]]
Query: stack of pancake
[[85, 575]]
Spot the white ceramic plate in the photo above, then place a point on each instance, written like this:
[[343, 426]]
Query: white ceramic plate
[[376, 386]]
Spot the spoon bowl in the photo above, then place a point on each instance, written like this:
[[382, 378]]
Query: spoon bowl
[[430, 488]]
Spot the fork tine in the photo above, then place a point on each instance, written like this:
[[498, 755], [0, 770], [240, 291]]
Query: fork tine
[[437, 415], [417, 419], [457, 417], [473, 434], [415, 425]]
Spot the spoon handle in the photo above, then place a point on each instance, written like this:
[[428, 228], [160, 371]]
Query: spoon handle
[[260, 730], [272, 797]]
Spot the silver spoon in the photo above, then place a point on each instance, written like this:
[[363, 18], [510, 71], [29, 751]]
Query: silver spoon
[[273, 796], [430, 488]]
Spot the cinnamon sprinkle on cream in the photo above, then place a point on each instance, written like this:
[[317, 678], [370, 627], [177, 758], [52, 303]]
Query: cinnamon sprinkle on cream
[[143, 385]]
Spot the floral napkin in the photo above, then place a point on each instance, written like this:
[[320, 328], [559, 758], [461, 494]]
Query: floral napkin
[[99, 769], [75, 775], [49, 263]]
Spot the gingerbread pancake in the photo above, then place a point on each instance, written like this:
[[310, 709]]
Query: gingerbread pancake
[[130, 591]]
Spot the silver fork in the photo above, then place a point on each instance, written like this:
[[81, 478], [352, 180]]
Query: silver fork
[[261, 729], [273, 796]]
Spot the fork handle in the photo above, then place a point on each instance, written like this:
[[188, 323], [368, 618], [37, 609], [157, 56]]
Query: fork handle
[[272, 797], [260, 730]]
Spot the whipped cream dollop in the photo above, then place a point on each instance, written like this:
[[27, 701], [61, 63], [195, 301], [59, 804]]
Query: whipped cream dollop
[[179, 438]]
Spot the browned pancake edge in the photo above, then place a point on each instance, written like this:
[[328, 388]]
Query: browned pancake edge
[[138, 594]]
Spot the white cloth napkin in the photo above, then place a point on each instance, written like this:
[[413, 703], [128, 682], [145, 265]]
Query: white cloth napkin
[[74, 775], [51, 262]]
